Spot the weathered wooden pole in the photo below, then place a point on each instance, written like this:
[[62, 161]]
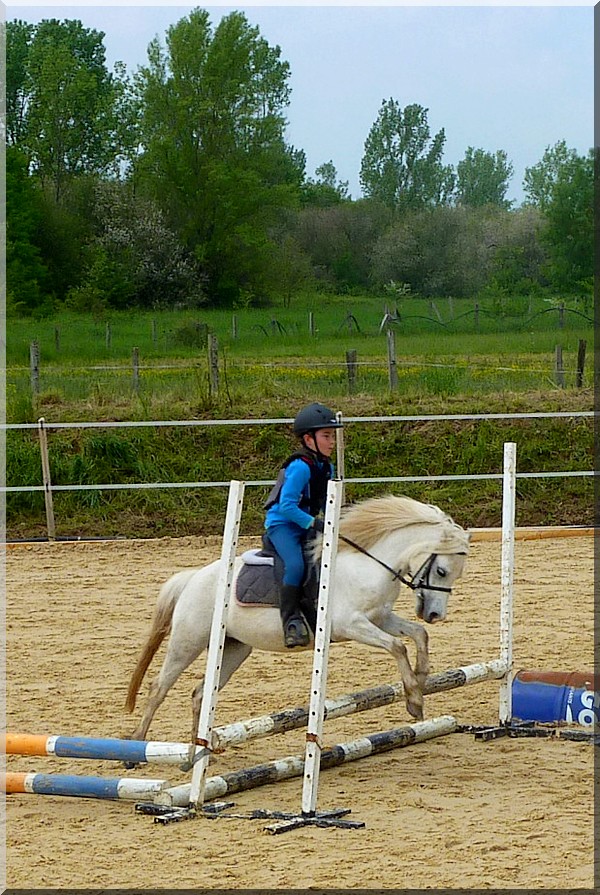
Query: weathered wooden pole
[[213, 364], [135, 357], [393, 369], [580, 363], [558, 367], [34, 367]]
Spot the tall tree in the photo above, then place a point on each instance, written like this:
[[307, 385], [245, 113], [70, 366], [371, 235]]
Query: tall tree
[[402, 163], [26, 274], [569, 232], [483, 178], [540, 179], [213, 153], [61, 100], [325, 189]]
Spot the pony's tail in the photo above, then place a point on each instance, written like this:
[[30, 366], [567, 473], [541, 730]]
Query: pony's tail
[[161, 626]]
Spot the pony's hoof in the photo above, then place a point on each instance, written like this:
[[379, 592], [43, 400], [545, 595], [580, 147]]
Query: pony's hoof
[[415, 709]]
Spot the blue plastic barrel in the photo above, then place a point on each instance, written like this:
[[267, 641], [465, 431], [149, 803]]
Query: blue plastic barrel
[[556, 696]]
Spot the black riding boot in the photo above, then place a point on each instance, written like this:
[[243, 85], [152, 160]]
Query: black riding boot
[[295, 629]]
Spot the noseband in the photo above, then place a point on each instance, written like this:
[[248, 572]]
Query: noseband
[[418, 580]]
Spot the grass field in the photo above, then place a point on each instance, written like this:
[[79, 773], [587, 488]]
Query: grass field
[[440, 348], [268, 370]]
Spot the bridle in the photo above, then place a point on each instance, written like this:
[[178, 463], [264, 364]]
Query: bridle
[[418, 580]]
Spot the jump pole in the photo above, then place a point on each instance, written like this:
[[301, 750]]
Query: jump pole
[[217, 642], [97, 748], [506, 581], [294, 765], [147, 752], [129, 788]]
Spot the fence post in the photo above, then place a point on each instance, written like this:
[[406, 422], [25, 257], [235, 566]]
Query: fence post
[[234, 327], [34, 367], [136, 370], [46, 479], [108, 335], [477, 315], [154, 334], [393, 369], [351, 367], [561, 315], [213, 364], [580, 363], [57, 338], [339, 453], [559, 368], [311, 323]]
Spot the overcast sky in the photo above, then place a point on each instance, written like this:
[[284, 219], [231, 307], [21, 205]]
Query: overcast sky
[[517, 78]]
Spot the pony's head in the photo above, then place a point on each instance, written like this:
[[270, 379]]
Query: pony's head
[[436, 554]]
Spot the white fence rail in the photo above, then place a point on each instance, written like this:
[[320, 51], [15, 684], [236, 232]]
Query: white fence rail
[[43, 426]]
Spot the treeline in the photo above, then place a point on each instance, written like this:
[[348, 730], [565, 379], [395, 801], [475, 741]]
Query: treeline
[[175, 187]]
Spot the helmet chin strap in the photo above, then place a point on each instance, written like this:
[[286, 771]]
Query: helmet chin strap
[[320, 457]]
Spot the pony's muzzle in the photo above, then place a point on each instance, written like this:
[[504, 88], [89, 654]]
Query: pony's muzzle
[[430, 609]]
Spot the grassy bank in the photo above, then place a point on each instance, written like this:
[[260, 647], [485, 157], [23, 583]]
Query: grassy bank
[[254, 453]]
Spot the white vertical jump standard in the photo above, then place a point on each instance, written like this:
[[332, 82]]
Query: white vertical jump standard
[[506, 582], [318, 687], [316, 708], [216, 644]]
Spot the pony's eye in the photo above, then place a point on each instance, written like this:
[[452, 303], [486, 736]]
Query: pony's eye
[[441, 572]]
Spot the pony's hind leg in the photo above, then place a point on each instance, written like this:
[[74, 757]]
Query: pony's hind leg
[[180, 654], [234, 654]]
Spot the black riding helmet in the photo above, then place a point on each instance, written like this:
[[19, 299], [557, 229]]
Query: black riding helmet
[[313, 417]]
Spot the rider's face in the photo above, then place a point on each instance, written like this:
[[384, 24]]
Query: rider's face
[[324, 441]]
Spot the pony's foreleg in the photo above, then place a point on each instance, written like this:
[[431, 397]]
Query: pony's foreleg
[[400, 627], [362, 630], [234, 654]]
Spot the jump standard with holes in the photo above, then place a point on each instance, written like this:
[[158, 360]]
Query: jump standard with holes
[[531, 704]]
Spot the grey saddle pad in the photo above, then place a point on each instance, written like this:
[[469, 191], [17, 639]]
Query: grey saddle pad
[[257, 585]]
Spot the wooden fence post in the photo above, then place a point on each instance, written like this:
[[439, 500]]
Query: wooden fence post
[[34, 367], [108, 335], [311, 323], [46, 479], [580, 363], [57, 338], [213, 365], [561, 315], [393, 369], [477, 315], [234, 327], [559, 368], [136, 370], [351, 367], [154, 333]]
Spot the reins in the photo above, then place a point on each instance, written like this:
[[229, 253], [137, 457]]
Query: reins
[[420, 577]]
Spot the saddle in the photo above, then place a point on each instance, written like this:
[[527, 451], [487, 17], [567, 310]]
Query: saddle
[[261, 577]]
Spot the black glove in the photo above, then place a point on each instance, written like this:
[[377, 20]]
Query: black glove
[[318, 525]]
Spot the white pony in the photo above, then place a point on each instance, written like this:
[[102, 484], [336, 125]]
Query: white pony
[[382, 542]]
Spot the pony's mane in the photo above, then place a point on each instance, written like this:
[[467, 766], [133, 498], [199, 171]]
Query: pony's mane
[[365, 522]]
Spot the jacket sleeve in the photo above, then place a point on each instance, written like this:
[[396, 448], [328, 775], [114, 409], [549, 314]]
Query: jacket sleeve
[[297, 477]]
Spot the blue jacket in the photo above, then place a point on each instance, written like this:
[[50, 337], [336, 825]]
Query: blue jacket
[[294, 496]]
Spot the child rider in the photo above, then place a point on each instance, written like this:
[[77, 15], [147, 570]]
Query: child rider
[[293, 506]]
